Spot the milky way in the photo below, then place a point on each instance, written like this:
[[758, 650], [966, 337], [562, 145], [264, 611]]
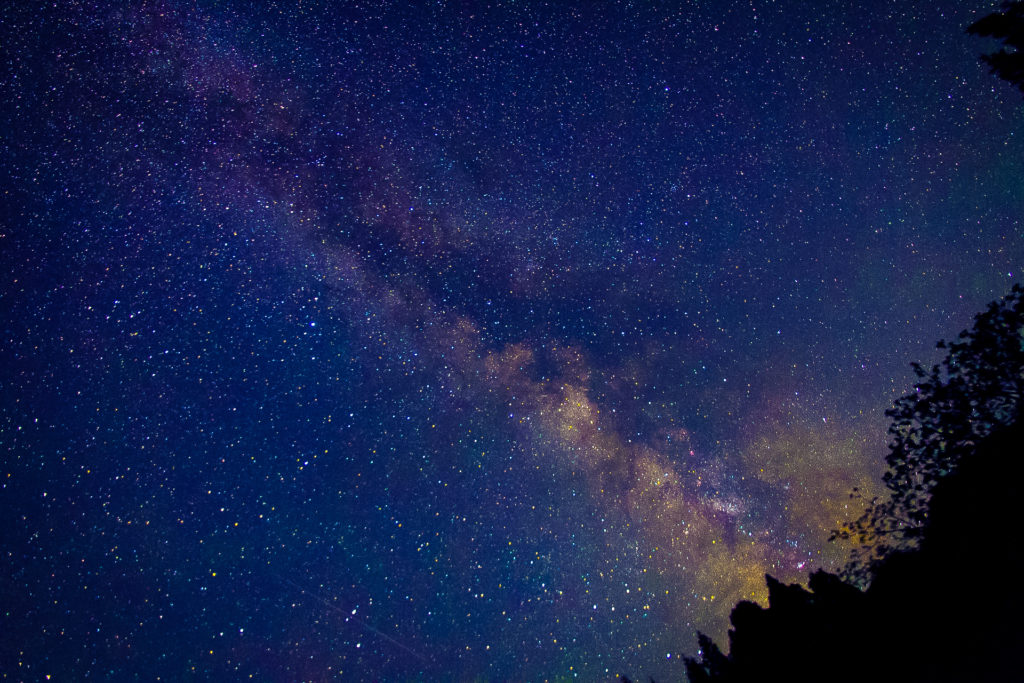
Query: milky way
[[452, 341]]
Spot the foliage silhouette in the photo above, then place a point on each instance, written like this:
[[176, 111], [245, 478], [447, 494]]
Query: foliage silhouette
[[927, 594], [975, 390], [944, 611], [1007, 26]]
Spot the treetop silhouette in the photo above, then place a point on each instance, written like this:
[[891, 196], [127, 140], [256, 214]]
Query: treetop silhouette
[[1008, 27], [928, 593], [976, 389], [946, 611]]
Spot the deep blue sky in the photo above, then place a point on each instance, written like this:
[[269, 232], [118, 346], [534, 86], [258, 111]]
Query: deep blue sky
[[449, 340]]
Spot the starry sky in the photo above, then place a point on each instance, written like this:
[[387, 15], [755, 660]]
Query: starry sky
[[460, 340]]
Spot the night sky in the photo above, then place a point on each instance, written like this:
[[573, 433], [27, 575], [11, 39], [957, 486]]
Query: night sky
[[456, 340]]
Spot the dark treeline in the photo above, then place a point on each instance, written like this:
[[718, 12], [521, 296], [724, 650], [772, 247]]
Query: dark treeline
[[930, 592], [948, 610]]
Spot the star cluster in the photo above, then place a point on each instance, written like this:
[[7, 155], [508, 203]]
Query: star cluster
[[443, 340]]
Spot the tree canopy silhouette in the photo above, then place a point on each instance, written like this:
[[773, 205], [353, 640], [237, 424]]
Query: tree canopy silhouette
[[976, 389], [928, 595], [1008, 27], [945, 611], [938, 550]]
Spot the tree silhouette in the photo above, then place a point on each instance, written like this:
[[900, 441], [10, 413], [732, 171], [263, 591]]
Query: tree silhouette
[[946, 611], [1007, 26], [930, 591], [975, 390], [939, 551]]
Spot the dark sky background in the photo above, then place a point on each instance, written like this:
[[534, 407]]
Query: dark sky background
[[457, 340]]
